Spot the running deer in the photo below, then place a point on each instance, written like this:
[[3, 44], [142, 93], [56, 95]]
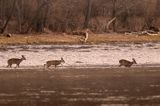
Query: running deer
[[16, 61], [127, 63], [54, 62]]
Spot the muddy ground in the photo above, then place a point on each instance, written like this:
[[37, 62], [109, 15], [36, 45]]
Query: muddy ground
[[136, 86]]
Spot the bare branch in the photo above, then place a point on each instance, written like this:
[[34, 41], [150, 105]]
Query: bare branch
[[110, 22]]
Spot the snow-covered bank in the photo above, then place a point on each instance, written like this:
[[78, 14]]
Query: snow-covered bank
[[83, 55]]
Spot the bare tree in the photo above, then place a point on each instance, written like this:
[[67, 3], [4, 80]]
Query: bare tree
[[9, 17], [88, 13], [114, 14], [38, 19], [70, 15]]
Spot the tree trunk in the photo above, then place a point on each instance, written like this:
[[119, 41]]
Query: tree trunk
[[88, 13], [114, 15], [9, 18], [158, 8], [37, 19], [19, 8], [46, 15]]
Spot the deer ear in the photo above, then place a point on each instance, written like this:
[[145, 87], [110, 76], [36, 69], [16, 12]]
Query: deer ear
[[23, 57]]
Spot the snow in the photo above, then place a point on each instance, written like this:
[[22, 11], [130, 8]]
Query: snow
[[82, 55]]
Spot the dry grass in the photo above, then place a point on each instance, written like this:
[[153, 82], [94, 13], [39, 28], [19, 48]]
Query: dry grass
[[73, 39], [38, 39], [123, 38]]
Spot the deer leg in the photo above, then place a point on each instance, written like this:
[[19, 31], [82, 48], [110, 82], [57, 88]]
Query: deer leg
[[17, 65], [8, 65], [48, 66]]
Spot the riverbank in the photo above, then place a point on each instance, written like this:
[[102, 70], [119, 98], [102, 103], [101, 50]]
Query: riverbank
[[40, 39], [100, 55]]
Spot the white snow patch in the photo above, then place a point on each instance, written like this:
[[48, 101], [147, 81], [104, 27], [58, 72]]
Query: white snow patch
[[104, 54]]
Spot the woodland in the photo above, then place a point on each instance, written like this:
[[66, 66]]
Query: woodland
[[28, 16]]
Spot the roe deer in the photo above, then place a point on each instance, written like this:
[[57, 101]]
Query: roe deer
[[127, 63], [16, 61], [54, 62]]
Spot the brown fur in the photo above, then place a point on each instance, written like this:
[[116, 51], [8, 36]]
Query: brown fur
[[54, 62], [127, 63], [16, 61]]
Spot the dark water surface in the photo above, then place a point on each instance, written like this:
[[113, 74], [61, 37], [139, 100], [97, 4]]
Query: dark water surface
[[138, 86]]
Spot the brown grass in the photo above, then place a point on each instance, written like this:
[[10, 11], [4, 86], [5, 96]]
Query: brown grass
[[73, 39]]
